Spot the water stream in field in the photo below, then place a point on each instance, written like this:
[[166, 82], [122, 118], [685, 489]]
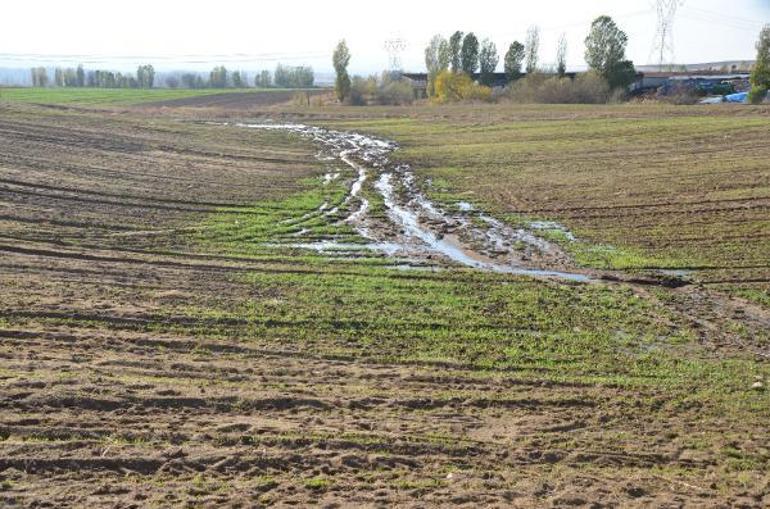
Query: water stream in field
[[355, 189], [415, 227]]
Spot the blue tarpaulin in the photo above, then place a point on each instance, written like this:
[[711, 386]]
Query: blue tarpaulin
[[740, 97]]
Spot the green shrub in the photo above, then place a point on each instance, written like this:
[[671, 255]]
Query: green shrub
[[587, 88], [757, 94], [387, 90]]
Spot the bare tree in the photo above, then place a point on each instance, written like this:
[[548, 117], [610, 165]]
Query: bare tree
[[436, 59], [561, 55], [532, 48]]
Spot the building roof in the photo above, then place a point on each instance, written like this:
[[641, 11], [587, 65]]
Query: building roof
[[697, 74]]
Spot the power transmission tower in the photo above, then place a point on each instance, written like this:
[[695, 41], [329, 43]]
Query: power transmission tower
[[395, 47], [664, 34]]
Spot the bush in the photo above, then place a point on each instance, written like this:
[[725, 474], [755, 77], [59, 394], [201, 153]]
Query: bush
[[679, 94], [757, 94], [587, 88], [386, 90], [524, 90], [360, 90], [590, 88], [453, 87], [395, 92]]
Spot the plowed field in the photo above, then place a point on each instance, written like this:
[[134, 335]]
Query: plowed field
[[168, 338]]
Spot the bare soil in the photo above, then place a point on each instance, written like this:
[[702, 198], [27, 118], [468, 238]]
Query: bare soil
[[235, 100], [115, 394]]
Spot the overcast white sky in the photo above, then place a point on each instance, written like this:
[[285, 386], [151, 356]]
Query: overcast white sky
[[176, 34]]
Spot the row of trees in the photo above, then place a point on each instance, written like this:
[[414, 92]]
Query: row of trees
[[605, 54], [78, 77], [70, 77], [145, 77], [283, 77], [463, 53], [219, 77], [109, 79], [293, 76]]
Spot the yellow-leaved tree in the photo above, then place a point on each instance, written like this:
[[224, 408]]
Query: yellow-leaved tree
[[458, 86]]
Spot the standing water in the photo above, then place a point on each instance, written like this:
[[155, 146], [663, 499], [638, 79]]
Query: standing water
[[424, 229]]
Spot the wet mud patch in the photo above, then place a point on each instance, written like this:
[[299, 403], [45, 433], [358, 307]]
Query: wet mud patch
[[412, 227]]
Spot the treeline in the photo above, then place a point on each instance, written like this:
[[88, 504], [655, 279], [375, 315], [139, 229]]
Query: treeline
[[464, 53], [462, 67], [293, 77], [284, 77], [75, 77], [145, 77]]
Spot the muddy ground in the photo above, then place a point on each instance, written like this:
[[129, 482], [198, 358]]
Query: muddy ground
[[155, 353]]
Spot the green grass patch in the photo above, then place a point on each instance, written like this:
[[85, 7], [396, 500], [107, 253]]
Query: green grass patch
[[318, 484], [616, 258], [111, 97]]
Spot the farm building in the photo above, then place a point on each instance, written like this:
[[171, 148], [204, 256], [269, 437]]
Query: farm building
[[706, 81]]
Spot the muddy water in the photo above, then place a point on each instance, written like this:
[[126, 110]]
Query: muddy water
[[450, 245], [415, 227], [355, 189]]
